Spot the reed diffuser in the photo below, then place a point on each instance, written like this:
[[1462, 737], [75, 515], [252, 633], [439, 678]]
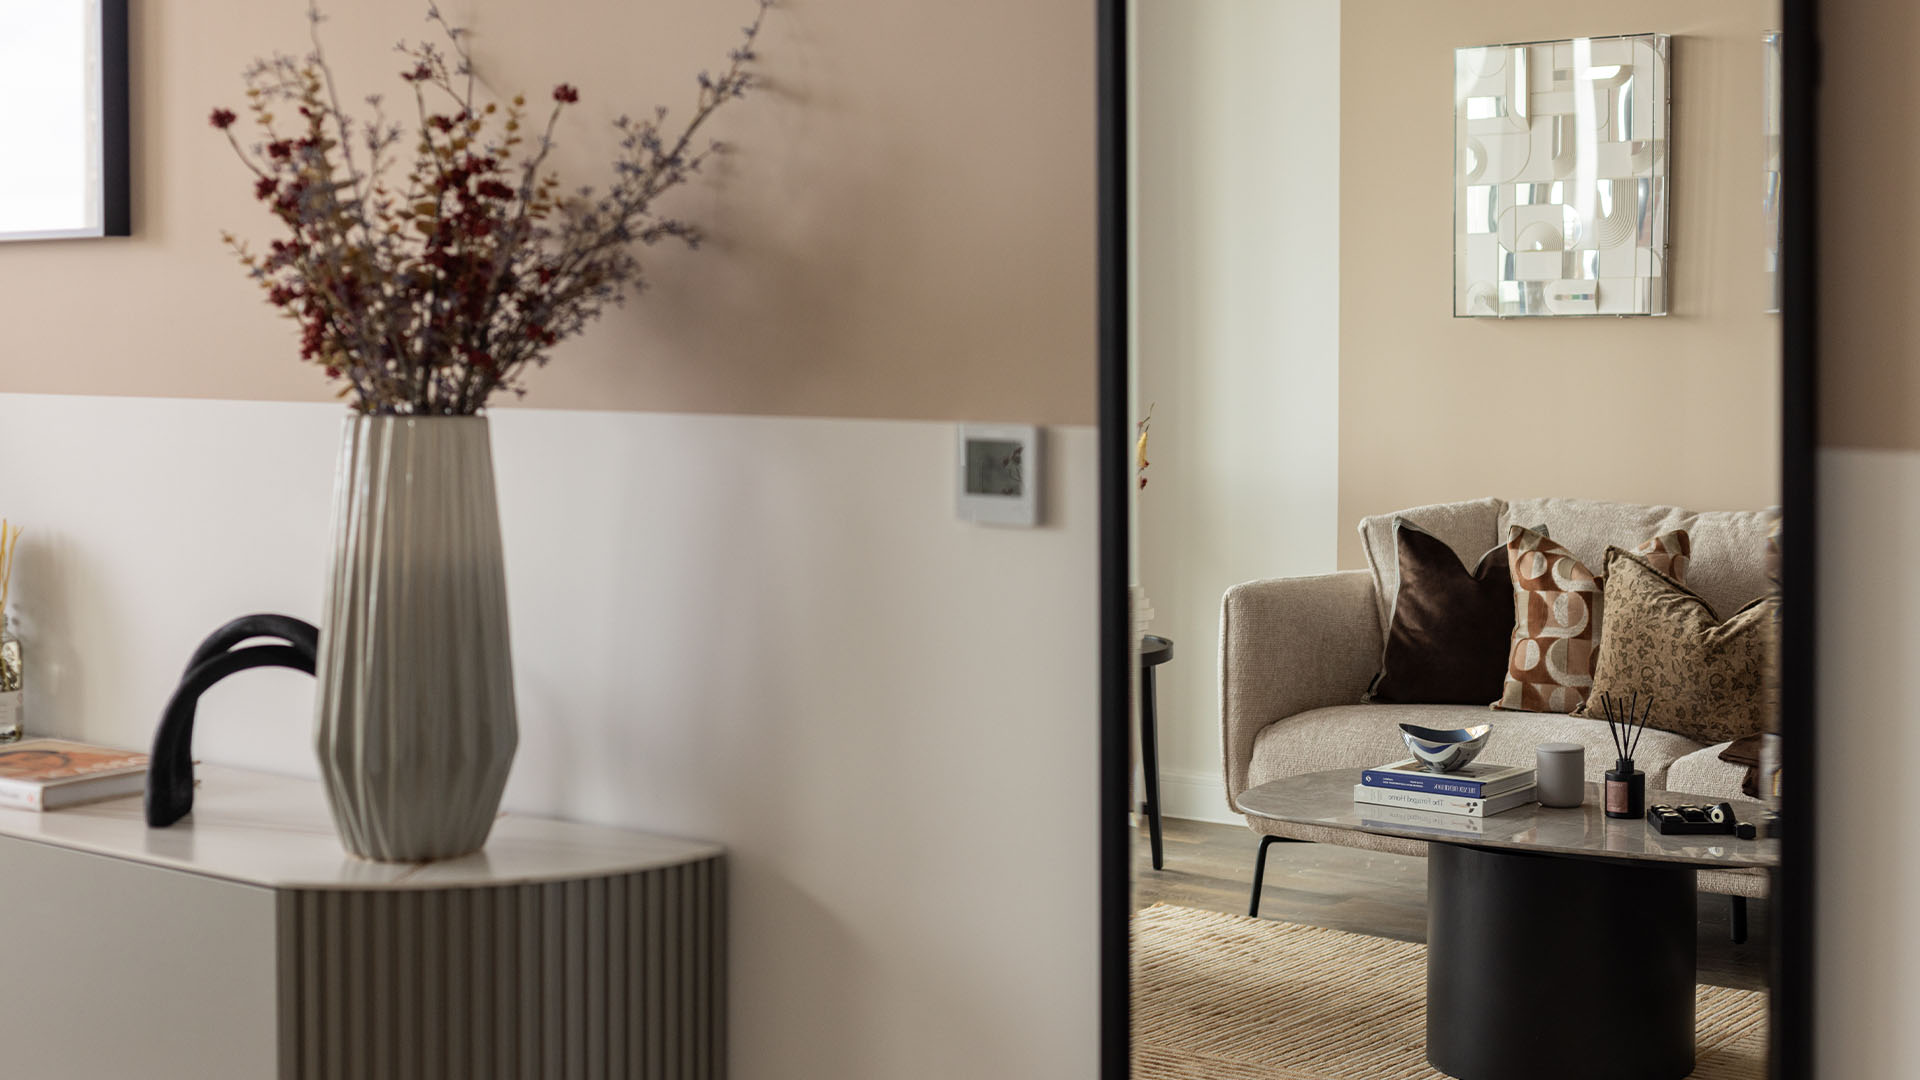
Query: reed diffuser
[[10, 672], [1626, 787]]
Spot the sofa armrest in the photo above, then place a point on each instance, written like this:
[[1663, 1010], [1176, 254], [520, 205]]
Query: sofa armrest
[[1288, 645]]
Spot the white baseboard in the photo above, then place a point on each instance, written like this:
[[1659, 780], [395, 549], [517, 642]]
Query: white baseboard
[[1196, 796]]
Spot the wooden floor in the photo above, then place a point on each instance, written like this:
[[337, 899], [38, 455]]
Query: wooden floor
[[1210, 866]]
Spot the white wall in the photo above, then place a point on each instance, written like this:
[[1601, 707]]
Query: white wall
[[1237, 308], [1867, 951], [767, 632]]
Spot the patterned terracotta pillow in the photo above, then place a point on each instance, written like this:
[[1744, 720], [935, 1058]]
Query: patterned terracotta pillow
[[1773, 553], [1667, 553], [1557, 609], [1708, 679]]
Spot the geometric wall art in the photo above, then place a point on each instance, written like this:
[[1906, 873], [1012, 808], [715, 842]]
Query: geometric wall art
[[1560, 177], [1770, 202]]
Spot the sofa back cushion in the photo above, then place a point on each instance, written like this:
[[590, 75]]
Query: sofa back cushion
[[1728, 563], [1469, 528]]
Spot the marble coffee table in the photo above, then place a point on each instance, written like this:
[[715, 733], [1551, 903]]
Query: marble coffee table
[[1560, 942]]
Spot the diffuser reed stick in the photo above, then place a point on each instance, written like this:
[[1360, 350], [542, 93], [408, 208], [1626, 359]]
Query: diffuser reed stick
[[9, 539], [1626, 722], [1613, 728]]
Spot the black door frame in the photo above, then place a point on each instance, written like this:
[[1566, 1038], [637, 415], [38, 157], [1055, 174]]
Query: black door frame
[[1794, 998], [1792, 890]]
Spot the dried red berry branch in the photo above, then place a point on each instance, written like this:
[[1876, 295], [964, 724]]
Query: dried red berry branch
[[428, 296]]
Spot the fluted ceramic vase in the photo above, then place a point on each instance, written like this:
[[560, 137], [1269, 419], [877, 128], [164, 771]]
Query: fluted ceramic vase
[[415, 719]]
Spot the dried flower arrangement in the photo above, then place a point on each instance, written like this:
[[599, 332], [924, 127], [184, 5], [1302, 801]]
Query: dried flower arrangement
[[1140, 461], [428, 296]]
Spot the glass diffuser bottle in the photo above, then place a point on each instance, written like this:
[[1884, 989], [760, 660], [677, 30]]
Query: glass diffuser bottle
[[10, 681], [1626, 786], [11, 674]]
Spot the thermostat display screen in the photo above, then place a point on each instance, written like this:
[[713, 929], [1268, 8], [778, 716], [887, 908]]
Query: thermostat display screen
[[994, 467], [997, 473]]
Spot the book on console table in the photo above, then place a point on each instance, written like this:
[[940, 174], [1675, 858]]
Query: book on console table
[[1444, 804], [1471, 781], [47, 774]]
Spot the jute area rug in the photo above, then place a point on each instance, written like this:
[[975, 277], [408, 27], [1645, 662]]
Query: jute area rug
[[1225, 997]]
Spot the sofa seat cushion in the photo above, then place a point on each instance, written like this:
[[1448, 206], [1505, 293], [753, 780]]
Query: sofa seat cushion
[[1363, 736], [1702, 773]]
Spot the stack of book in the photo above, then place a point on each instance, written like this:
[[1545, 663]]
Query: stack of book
[[1473, 791], [47, 774]]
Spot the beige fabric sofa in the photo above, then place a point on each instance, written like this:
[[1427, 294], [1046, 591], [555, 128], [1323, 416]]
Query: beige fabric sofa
[[1296, 654]]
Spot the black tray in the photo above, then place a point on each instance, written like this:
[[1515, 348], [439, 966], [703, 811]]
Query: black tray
[[1678, 826]]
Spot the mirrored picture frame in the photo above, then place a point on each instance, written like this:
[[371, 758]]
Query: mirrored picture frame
[[1775, 147], [1560, 177], [64, 119]]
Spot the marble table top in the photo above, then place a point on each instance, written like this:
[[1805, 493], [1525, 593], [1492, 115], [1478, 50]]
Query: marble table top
[[1326, 799], [276, 831]]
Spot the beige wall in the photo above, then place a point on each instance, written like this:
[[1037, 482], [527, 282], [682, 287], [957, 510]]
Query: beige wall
[[1681, 409], [907, 229]]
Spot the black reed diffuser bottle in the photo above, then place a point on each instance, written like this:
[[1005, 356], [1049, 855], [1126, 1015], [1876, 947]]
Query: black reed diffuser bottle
[[1626, 788]]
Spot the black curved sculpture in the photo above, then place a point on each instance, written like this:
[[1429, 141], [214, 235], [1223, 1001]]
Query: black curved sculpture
[[170, 767]]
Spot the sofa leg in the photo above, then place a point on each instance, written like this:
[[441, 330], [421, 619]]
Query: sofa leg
[[1260, 871], [1739, 919]]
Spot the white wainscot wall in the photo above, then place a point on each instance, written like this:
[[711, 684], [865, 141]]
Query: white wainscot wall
[[771, 633], [1867, 945]]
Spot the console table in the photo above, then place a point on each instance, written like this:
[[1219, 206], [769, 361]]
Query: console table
[[244, 942]]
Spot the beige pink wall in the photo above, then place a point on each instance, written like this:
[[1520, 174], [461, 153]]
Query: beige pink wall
[[1869, 223], [1681, 409], [907, 229]]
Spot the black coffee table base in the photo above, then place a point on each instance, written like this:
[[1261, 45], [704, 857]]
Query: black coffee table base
[[1558, 966]]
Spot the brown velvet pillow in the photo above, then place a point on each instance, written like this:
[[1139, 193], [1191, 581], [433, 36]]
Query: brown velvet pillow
[[1447, 638]]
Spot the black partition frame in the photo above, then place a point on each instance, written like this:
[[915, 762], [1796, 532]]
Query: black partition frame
[[116, 158], [1792, 893]]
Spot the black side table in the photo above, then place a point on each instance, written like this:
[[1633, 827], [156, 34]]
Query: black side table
[[1154, 651]]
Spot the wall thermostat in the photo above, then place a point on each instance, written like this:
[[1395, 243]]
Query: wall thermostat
[[997, 473]]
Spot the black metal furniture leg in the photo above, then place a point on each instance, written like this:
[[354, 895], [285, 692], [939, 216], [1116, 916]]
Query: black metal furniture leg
[[1150, 758], [1739, 919], [1260, 872]]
